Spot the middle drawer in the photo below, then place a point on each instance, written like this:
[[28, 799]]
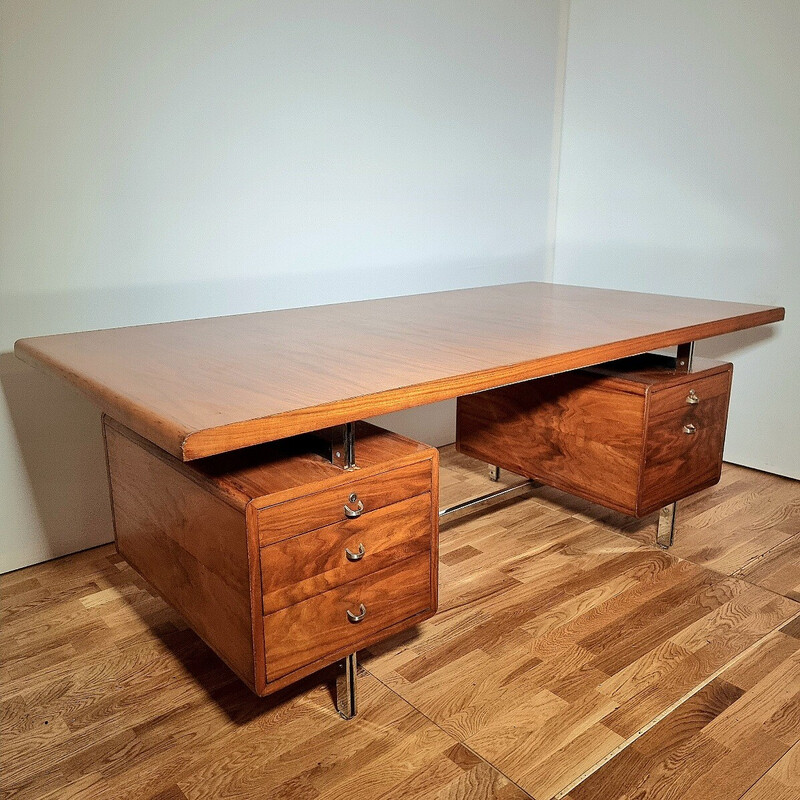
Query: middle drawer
[[306, 565]]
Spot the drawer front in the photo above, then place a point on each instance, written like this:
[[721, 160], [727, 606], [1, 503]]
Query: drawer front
[[683, 451], [319, 626], [705, 389], [313, 511], [306, 565]]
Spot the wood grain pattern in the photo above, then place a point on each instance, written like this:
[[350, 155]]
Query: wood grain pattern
[[556, 642], [192, 531], [778, 569], [711, 385], [106, 695], [677, 464], [279, 471], [189, 545], [781, 781], [281, 520], [208, 386], [613, 435], [319, 626], [298, 568], [722, 742], [574, 431], [745, 525]]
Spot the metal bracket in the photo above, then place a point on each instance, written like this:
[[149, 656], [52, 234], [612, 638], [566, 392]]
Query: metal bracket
[[340, 444], [346, 687], [665, 534], [684, 357], [494, 473]]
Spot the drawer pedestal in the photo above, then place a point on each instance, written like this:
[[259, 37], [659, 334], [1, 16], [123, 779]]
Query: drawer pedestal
[[280, 560], [633, 435]]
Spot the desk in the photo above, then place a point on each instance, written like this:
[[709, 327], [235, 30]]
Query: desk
[[287, 552]]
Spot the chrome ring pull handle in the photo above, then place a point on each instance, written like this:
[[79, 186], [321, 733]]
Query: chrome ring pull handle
[[689, 428], [352, 513], [362, 612], [351, 556], [692, 399]]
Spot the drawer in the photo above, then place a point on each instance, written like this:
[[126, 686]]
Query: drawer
[[678, 463], [306, 565], [318, 627], [706, 389], [327, 507]]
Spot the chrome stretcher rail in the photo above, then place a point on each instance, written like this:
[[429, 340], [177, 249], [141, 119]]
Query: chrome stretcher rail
[[486, 499]]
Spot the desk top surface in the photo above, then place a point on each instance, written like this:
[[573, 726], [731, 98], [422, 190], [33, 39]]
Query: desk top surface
[[206, 386]]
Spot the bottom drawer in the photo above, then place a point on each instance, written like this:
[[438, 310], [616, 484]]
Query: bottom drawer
[[308, 631]]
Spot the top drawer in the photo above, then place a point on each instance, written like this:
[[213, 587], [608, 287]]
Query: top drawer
[[362, 495], [692, 394]]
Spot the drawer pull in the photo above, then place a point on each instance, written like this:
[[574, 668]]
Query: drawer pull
[[362, 612], [352, 513], [351, 556], [689, 428], [692, 399]]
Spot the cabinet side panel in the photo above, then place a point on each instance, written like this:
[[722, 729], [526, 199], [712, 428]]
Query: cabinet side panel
[[435, 531], [189, 545], [570, 431]]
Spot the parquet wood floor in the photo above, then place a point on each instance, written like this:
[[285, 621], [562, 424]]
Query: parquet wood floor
[[739, 736], [567, 659]]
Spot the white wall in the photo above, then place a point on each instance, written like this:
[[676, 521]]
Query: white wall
[[170, 159], [680, 173]]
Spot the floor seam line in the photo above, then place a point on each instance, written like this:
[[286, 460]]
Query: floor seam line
[[674, 707], [447, 733], [764, 773], [764, 589], [761, 556]]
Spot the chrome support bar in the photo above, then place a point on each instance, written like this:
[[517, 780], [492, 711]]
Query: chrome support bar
[[666, 526], [347, 453], [346, 687], [684, 357], [339, 444], [510, 491]]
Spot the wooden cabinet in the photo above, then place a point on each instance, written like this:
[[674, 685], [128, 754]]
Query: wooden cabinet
[[281, 561], [633, 435]]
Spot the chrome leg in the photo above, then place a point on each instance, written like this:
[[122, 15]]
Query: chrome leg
[[346, 687], [666, 526], [494, 473]]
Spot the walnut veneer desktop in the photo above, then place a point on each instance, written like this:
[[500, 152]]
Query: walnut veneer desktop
[[288, 536]]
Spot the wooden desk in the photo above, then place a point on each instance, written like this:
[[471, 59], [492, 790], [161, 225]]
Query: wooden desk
[[208, 386], [263, 549]]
